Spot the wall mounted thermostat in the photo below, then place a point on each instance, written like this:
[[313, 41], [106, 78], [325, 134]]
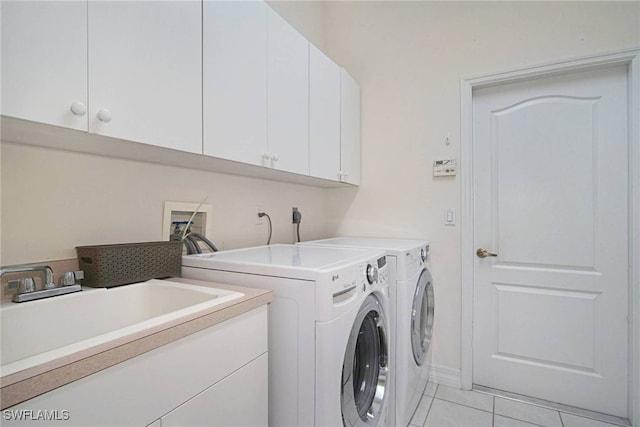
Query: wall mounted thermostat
[[444, 168]]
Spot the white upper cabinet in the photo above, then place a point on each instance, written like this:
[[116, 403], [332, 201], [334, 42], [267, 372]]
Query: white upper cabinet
[[145, 72], [324, 116], [228, 79], [235, 80], [350, 130], [287, 96], [44, 62]]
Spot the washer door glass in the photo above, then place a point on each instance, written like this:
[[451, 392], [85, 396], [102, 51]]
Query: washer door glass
[[365, 368], [422, 317]]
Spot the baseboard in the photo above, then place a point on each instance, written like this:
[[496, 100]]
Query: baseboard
[[445, 376]]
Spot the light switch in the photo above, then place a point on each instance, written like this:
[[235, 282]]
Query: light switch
[[450, 216]]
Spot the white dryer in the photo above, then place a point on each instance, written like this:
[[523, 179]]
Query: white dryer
[[328, 328], [412, 309]]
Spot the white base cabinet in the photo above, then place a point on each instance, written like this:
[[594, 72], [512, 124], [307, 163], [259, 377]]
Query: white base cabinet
[[215, 377], [244, 395]]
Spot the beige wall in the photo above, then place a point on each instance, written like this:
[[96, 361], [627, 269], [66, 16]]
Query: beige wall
[[308, 17], [409, 58], [53, 201]]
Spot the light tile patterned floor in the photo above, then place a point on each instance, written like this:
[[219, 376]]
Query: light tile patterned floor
[[443, 406]]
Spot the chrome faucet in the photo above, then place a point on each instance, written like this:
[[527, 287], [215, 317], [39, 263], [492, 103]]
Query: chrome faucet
[[48, 272], [26, 290]]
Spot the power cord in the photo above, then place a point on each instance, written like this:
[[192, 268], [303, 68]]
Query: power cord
[[260, 215]]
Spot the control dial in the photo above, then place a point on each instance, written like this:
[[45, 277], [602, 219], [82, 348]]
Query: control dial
[[424, 253], [372, 274]]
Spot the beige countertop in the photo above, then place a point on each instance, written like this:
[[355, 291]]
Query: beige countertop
[[29, 383]]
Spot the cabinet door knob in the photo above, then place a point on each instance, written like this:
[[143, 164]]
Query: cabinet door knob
[[78, 109], [274, 157], [104, 115]]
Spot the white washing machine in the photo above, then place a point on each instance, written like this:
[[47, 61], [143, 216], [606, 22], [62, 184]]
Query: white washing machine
[[412, 308], [328, 328]]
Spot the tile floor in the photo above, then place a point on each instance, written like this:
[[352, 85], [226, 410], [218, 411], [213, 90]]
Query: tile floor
[[443, 406]]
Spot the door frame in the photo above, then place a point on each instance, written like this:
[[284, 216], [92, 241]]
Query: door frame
[[630, 58]]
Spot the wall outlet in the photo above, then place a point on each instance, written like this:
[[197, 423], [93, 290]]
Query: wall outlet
[[259, 210]]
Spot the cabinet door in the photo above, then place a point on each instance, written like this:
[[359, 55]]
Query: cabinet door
[[44, 62], [238, 400], [324, 116], [350, 129], [145, 72], [235, 80], [287, 96]]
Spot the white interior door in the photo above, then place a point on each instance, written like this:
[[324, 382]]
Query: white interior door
[[550, 200]]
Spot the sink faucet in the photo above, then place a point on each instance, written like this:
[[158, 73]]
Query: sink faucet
[[48, 273], [27, 293]]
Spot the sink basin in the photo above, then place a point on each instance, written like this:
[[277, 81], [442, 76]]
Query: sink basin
[[40, 331]]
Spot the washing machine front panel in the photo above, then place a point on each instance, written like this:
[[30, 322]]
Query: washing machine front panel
[[302, 285], [407, 258], [422, 318], [365, 370], [337, 291]]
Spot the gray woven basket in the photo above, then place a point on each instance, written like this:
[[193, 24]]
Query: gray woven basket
[[106, 266]]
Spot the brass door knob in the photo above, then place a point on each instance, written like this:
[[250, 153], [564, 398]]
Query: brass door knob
[[483, 253]]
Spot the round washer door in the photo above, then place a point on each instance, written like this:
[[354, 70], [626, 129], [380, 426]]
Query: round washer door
[[422, 317], [365, 368]]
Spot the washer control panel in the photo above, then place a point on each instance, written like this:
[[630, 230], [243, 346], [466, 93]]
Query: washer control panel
[[372, 274], [356, 278], [377, 272], [349, 280]]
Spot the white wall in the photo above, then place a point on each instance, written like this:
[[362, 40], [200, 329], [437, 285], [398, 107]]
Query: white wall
[[409, 58]]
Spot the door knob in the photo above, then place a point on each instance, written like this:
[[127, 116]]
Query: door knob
[[483, 253]]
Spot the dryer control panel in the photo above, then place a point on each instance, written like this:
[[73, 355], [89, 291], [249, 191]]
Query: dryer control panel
[[383, 274], [416, 259]]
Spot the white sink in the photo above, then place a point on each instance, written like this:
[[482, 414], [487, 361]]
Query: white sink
[[36, 332]]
